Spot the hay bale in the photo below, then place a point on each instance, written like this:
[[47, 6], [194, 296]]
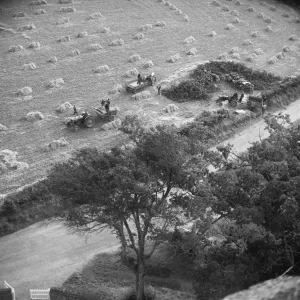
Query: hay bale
[[52, 59], [261, 15], [216, 3], [279, 55], [251, 57], [101, 69], [272, 8], [139, 36], [26, 27], [25, 91], [38, 2], [132, 73], [293, 37], [255, 34], [64, 107], [174, 58], [3, 128], [82, 34], [15, 48], [235, 13], [95, 16], [64, 1], [213, 33], [55, 83], [118, 88], [229, 27], [134, 57], [171, 108], [25, 36], [29, 66], [40, 12], [160, 24], [236, 20], [63, 39], [67, 10], [63, 21], [116, 42], [34, 116], [223, 56], [247, 42], [145, 27], [268, 20], [272, 60], [112, 125], [34, 45], [268, 29], [141, 95], [189, 40], [225, 8], [234, 50], [94, 47], [286, 48], [192, 51], [251, 9], [258, 51], [186, 18], [55, 144], [148, 64], [75, 52], [235, 56], [20, 14], [104, 30]]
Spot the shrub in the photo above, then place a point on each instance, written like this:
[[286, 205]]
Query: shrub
[[160, 270], [8, 208]]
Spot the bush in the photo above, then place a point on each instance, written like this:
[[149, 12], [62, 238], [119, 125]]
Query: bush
[[8, 208], [160, 271]]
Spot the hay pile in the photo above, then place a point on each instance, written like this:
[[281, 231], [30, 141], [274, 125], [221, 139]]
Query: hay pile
[[34, 116], [168, 3], [178, 12], [251, 9], [225, 8], [268, 29], [189, 40], [82, 34], [25, 91], [55, 83], [104, 30], [26, 27], [279, 55], [118, 88], [94, 47], [65, 1], [192, 51], [95, 16], [285, 15], [247, 42], [213, 33], [139, 36], [15, 48], [52, 59], [234, 50], [55, 144], [75, 52], [67, 9], [173, 7], [237, 2], [25, 36], [40, 12], [251, 57], [132, 73], [216, 3], [174, 58], [101, 69], [236, 20], [8, 161], [141, 95], [229, 27], [116, 42], [268, 20], [235, 55], [223, 56], [272, 8], [63, 21], [2, 127], [145, 27], [64, 107], [186, 18], [235, 13], [293, 37], [258, 51], [148, 64], [160, 24], [134, 57], [112, 125], [171, 108], [255, 34], [286, 48], [272, 60], [29, 66], [261, 15], [34, 45], [39, 2], [65, 38], [20, 14]]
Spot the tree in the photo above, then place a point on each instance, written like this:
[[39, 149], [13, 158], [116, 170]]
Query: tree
[[131, 192]]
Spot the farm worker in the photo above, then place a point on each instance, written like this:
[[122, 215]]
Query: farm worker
[[106, 106], [75, 111], [241, 97], [235, 96], [252, 105], [139, 79], [158, 89]]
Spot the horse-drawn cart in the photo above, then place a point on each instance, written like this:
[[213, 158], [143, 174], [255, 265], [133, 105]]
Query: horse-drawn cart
[[110, 115], [142, 82]]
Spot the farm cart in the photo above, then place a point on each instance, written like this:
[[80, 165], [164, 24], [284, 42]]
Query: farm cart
[[240, 82], [110, 115], [142, 82], [255, 103], [85, 119], [232, 100]]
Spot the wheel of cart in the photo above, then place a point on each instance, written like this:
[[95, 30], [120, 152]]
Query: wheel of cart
[[233, 103], [88, 122]]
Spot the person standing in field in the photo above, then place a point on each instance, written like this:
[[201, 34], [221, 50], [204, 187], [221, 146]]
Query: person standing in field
[[158, 89]]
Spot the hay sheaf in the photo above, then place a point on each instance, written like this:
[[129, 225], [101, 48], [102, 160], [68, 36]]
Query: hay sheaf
[[223, 56], [95, 16], [258, 51], [67, 9], [229, 27], [118, 88], [255, 34], [192, 51], [141, 95], [34, 116], [212, 34], [236, 20], [280, 55], [235, 13], [247, 42], [235, 56], [62, 21], [160, 24], [216, 3], [112, 125], [132, 73], [189, 40], [268, 29], [104, 30], [186, 18], [75, 52], [20, 14], [178, 12], [174, 58], [171, 108], [3, 128], [272, 60], [225, 8], [52, 59], [134, 57], [16, 48], [25, 91], [25, 36], [63, 39], [64, 107], [55, 83], [145, 27], [261, 15], [55, 144], [238, 3], [39, 2], [286, 48], [94, 47], [234, 50], [272, 8], [116, 42], [148, 64], [268, 20], [293, 37], [34, 45], [64, 1], [29, 66], [26, 27], [9, 162], [139, 36], [101, 69], [82, 34], [251, 57], [173, 7], [40, 12]]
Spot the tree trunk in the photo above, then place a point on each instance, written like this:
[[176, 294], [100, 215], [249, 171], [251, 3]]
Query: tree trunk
[[140, 279], [123, 245]]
